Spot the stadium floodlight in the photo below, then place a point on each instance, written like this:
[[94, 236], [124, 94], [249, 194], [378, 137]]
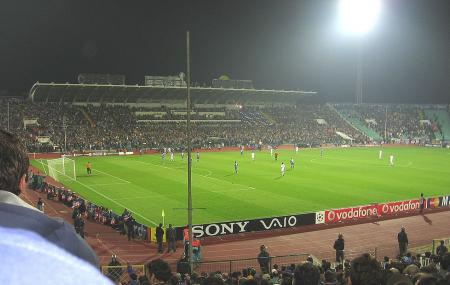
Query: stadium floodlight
[[358, 16]]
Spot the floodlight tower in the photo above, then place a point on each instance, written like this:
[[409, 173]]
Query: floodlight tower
[[357, 17]]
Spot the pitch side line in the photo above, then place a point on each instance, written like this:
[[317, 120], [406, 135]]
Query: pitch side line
[[107, 184], [126, 181], [108, 198]]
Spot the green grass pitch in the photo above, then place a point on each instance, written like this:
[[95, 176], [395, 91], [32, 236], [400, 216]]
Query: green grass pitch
[[342, 177]]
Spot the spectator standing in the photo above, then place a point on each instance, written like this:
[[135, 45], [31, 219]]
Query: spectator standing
[[79, 225], [441, 249], [129, 223], [171, 236], [196, 250], [339, 246], [114, 270], [40, 205], [159, 238], [422, 203], [402, 239], [263, 259]]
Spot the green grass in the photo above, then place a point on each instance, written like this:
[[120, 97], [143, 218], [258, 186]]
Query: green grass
[[343, 177]]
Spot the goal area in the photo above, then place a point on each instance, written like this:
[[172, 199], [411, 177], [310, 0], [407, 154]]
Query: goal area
[[62, 169]]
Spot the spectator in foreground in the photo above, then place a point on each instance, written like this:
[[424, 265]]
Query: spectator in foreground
[[15, 213], [158, 272], [365, 270], [306, 274], [30, 259]]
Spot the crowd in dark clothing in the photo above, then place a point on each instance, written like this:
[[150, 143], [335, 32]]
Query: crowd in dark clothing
[[394, 122], [362, 270], [82, 209], [70, 127]]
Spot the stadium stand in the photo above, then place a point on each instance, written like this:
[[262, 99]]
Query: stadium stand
[[351, 116], [441, 122], [47, 126]]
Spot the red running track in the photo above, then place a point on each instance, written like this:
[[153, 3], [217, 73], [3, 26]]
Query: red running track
[[318, 241]]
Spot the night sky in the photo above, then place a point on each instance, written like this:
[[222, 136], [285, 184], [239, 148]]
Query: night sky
[[278, 44]]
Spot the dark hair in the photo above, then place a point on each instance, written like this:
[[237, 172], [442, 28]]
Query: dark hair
[[160, 269], [306, 274], [213, 281], [365, 270], [13, 162]]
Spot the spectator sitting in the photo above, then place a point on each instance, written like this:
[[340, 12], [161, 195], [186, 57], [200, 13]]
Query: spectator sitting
[[365, 270], [15, 213], [306, 274], [25, 249], [158, 272]]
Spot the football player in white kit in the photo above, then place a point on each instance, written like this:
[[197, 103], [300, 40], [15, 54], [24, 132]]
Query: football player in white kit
[[391, 160], [283, 169]]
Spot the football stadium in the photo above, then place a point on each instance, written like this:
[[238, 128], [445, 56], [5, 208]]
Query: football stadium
[[272, 161]]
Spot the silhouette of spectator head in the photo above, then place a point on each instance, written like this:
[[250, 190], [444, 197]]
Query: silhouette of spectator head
[[13, 163]]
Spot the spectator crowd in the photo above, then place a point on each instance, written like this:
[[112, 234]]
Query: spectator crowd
[[70, 127]]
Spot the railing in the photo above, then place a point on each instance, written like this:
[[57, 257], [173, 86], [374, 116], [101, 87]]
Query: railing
[[120, 273], [234, 265]]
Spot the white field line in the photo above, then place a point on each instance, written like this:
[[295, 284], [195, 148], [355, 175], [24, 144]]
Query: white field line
[[206, 176], [126, 181], [107, 184], [108, 198], [137, 197]]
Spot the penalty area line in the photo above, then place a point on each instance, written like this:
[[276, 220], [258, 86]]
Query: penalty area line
[[108, 198], [126, 181]]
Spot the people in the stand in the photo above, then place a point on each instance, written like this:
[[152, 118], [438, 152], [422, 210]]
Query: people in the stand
[[158, 272]]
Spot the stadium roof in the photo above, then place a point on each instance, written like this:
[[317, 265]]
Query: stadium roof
[[96, 93]]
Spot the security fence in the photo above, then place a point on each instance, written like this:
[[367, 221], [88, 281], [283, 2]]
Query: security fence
[[120, 273], [233, 265]]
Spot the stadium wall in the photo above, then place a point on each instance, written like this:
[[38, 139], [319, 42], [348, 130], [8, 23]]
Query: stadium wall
[[330, 217]]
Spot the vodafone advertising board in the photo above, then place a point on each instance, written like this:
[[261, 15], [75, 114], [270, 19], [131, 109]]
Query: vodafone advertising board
[[367, 211]]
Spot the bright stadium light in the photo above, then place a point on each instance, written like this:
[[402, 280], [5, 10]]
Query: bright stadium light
[[358, 16]]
